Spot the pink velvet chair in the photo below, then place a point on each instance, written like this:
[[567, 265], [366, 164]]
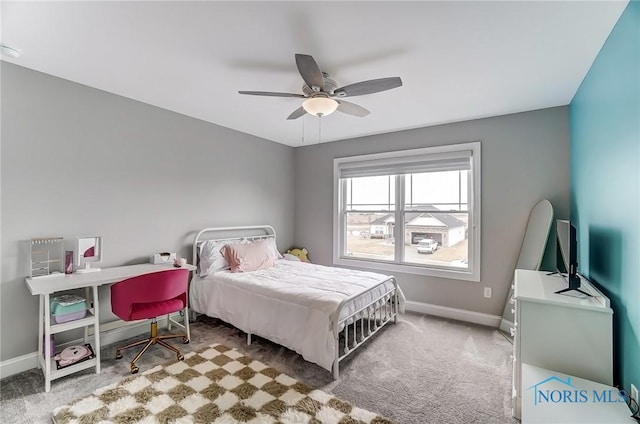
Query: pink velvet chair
[[149, 296]]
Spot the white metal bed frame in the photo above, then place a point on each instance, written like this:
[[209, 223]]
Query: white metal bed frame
[[364, 322]]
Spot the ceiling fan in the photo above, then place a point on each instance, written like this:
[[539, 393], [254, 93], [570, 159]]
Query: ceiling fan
[[320, 91]]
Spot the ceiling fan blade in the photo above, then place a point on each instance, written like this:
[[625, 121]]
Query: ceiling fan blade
[[270, 94], [310, 72], [368, 87], [352, 109], [297, 113]]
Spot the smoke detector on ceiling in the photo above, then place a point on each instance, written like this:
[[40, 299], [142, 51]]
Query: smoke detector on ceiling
[[9, 51]]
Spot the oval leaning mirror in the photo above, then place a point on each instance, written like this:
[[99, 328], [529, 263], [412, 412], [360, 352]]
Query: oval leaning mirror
[[531, 253]]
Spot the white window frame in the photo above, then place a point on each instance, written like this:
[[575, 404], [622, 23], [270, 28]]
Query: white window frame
[[400, 157]]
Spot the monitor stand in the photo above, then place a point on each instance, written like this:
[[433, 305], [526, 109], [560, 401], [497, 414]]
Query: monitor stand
[[576, 289], [574, 285]]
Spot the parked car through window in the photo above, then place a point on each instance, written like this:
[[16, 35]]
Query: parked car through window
[[427, 246]]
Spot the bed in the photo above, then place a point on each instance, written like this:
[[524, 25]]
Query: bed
[[323, 313]]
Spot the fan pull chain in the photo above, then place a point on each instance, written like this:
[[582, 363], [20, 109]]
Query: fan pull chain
[[303, 128], [319, 129]]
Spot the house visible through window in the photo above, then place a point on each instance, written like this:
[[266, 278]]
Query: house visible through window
[[415, 211]]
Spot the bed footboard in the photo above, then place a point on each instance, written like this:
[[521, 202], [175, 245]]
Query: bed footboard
[[358, 326]]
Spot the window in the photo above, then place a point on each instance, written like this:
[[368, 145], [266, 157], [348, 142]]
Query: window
[[414, 211]]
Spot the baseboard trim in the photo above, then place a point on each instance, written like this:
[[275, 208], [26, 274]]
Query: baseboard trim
[[30, 360], [506, 325], [453, 313], [18, 364]]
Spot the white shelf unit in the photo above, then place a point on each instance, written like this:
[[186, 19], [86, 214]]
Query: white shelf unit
[[560, 332], [47, 328], [78, 323], [86, 323]]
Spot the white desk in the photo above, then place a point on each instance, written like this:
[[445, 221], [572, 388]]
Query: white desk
[[45, 286], [551, 397]]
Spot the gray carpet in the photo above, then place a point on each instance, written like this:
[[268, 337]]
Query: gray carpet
[[421, 370]]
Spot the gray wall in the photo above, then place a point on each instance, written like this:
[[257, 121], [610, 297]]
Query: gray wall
[[77, 161], [524, 160]]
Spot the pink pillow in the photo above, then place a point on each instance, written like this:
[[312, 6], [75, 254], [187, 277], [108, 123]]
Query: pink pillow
[[248, 257]]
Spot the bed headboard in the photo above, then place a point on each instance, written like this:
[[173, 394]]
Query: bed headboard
[[250, 232]]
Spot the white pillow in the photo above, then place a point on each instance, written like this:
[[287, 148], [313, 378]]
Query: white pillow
[[211, 260], [274, 248]]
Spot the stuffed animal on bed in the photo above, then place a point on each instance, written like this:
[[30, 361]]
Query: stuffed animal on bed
[[297, 254]]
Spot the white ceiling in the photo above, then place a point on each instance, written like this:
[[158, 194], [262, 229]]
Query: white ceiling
[[458, 60]]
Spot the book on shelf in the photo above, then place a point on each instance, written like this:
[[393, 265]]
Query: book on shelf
[[73, 355]]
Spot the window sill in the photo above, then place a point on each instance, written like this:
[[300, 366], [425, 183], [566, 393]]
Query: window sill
[[465, 275]]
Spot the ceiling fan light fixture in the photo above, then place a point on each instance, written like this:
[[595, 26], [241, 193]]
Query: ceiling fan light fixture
[[320, 106], [319, 88]]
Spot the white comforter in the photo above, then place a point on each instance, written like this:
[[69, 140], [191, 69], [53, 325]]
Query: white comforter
[[293, 303]]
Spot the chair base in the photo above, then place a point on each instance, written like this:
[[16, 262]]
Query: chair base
[[152, 340]]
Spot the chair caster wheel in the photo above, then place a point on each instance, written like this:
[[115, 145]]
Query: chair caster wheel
[[185, 340], [134, 369], [118, 355], [180, 357]]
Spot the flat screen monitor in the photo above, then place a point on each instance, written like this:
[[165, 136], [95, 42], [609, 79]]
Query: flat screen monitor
[[567, 255], [88, 250]]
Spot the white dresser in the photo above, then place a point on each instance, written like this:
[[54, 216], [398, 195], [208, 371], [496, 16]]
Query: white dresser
[[586, 401], [560, 332]]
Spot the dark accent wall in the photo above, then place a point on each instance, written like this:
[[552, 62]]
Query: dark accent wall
[[605, 184]]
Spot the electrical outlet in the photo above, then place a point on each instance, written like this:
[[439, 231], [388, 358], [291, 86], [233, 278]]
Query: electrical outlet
[[487, 292], [634, 392]]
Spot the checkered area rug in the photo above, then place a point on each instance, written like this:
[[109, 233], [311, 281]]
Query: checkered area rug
[[217, 385]]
